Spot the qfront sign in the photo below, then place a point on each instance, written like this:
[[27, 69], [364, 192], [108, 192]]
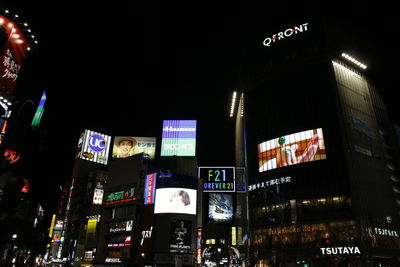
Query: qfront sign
[[179, 138], [217, 179], [340, 251], [286, 33]]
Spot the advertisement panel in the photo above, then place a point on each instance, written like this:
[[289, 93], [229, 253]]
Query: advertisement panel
[[13, 48], [179, 138], [126, 146], [94, 147], [220, 207], [217, 179], [149, 188], [98, 196], [291, 149], [175, 200], [181, 236]]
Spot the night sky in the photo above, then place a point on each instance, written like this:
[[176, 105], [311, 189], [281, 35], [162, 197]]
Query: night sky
[[122, 70]]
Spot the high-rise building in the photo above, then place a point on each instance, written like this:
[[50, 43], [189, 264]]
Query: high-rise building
[[323, 169]]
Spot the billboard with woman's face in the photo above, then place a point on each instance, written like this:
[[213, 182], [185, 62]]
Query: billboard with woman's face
[[291, 149], [175, 200], [126, 146]]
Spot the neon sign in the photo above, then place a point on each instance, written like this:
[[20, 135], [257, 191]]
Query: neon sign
[[340, 250], [218, 179], [11, 156], [286, 33], [121, 196]]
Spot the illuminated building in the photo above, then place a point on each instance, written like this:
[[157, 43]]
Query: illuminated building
[[324, 186]]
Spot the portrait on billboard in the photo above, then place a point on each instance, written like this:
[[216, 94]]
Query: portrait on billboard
[[181, 235], [175, 200], [126, 146], [291, 149], [220, 207]]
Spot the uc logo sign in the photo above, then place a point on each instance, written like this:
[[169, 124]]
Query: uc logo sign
[[97, 143]]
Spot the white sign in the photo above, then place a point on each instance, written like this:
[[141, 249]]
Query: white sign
[[272, 182], [286, 33], [340, 251]]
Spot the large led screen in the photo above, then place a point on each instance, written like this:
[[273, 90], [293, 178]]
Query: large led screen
[[94, 147], [291, 149], [126, 146], [220, 207], [175, 200], [179, 138]]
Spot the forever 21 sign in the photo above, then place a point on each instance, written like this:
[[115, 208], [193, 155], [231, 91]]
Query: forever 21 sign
[[217, 179]]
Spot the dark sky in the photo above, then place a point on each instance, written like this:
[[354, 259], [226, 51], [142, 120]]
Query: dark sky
[[121, 70]]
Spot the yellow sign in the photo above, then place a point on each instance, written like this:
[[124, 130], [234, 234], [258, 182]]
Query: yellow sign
[[233, 236], [53, 220]]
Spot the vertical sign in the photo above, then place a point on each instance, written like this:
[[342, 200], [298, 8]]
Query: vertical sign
[[198, 246], [149, 188], [179, 138], [233, 236], [39, 110]]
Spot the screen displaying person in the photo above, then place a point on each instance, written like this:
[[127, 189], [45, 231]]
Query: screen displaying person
[[124, 147], [179, 199]]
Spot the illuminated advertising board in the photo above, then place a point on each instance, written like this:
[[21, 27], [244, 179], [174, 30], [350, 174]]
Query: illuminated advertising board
[[285, 33], [126, 146], [217, 179], [98, 196], [123, 226], [175, 200], [120, 196], [94, 147], [13, 47], [149, 188], [220, 207], [291, 149], [179, 138], [181, 236], [39, 110]]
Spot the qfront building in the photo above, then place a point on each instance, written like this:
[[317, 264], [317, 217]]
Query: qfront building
[[323, 167]]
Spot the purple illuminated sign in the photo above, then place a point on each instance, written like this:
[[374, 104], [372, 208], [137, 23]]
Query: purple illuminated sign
[[178, 138]]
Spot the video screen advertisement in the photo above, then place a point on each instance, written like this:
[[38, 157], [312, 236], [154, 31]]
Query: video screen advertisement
[[13, 48], [175, 200], [291, 149], [220, 207], [180, 236], [179, 138], [94, 147], [126, 146]]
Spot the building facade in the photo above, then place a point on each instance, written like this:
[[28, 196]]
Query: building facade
[[323, 168]]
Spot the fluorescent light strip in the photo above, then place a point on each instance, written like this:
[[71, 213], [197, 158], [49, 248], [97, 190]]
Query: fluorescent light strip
[[353, 60]]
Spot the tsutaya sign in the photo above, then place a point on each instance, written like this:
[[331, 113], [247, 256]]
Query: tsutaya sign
[[286, 33], [340, 251]]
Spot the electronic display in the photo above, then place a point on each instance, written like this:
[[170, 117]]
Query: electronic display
[[178, 138], [175, 200], [291, 149], [220, 207], [126, 146]]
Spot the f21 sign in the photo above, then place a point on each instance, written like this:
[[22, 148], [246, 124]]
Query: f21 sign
[[217, 179]]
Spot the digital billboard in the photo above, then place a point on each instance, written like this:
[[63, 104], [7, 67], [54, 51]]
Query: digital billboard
[[175, 200], [13, 48], [179, 138], [291, 149], [220, 207], [217, 179], [181, 236], [94, 147], [126, 146]]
